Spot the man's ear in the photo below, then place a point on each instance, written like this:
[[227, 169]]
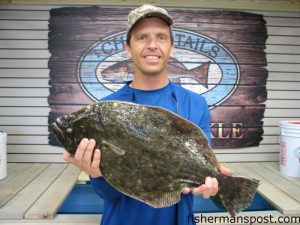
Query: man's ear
[[127, 48]]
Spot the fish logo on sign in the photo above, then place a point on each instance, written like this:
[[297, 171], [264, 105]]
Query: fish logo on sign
[[199, 64]]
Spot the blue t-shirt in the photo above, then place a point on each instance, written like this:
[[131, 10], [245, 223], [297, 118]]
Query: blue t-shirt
[[120, 209]]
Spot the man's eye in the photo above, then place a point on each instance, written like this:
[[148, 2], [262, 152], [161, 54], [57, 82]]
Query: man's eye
[[162, 37], [141, 38]]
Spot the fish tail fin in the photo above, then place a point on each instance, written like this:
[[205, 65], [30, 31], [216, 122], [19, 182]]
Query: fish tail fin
[[201, 73], [237, 192]]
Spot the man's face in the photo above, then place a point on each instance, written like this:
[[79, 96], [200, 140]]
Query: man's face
[[150, 47]]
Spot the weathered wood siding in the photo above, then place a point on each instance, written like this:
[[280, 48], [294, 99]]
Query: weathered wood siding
[[24, 88]]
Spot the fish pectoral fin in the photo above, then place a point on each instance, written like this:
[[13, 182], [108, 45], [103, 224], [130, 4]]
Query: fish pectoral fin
[[160, 199], [107, 145]]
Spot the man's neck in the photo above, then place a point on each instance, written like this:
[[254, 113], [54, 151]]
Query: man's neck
[[149, 83]]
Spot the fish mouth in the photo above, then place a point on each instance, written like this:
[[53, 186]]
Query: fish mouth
[[58, 132]]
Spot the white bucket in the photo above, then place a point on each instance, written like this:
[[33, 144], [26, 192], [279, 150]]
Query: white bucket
[[3, 158], [290, 148]]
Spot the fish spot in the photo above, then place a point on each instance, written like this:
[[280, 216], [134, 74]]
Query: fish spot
[[187, 144]]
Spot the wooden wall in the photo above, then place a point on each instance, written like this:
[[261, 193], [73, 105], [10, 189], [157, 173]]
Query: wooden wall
[[24, 88]]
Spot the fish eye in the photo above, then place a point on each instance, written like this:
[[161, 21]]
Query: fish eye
[[69, 130], [82, 128]]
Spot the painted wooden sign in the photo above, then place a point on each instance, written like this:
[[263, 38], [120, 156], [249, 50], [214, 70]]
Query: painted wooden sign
[[218, 54]]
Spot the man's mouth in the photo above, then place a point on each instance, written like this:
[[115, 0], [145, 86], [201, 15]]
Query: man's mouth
[[152, 57]]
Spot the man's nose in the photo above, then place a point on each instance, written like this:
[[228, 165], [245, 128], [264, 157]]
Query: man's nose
[[152, 43]]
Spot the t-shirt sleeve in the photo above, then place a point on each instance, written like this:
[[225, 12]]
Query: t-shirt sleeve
[[104, 189]]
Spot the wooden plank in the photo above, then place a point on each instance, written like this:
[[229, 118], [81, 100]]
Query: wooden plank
[[275, 167], [283, 58], [27, 139], [13, 186], [280, 180], [38, 101], [283, 103], [24, 25], [27, 5], [286, 94], [24, 111], [283, 202], [83, 177], [41, 158], [250, 157], [20, 53], [22, 201], [284, 30], [25, 130], [24, 34], [288, 5], [23, 72], [14, 169], [24, 63], [24, 44], [34, 149], [19, 121], [283, 76], [24, 92], [24, 15], [37, 7], [283, 85], [278, 20], [60, 219], [272, 130], [23, 82], [282, 49], [281, 113], [287, 40], [275, 121], [48, 204], [270, 139], [280, 14]]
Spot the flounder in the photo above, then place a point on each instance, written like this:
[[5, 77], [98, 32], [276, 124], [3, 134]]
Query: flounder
[[150, 153]]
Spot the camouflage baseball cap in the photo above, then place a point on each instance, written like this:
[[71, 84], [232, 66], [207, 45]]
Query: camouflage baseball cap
[[145, 11]]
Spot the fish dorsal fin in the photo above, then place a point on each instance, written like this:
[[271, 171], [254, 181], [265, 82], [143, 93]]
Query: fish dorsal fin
[[107, 145], [190, 128]]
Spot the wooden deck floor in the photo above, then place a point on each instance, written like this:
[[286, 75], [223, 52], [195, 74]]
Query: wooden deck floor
[[32, 193]]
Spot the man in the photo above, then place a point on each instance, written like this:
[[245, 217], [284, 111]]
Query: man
[[150, 45]]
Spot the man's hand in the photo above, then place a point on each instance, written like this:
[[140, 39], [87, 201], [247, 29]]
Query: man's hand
[[86, 158], [210, 188]]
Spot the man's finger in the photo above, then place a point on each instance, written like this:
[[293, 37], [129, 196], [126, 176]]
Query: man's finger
[[96, 159], [207, 191], [199, 190], [224, 170], [215, 187], [87, 157], [186, 190], [68, 157], [81, 149]]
